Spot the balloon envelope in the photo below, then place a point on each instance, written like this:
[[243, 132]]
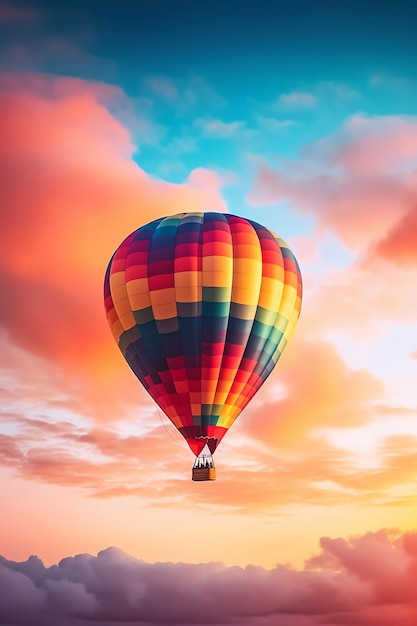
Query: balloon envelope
[[202, 306]]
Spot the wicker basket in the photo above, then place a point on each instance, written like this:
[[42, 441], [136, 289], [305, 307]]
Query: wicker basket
[[204, 473]]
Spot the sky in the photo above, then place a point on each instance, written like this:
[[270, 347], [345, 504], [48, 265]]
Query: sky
[[302, 117]]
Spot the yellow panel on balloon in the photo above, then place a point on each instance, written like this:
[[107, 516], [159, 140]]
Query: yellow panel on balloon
[[248, 295], [217, 264], [218, 278], [271, 286], [187, 279]]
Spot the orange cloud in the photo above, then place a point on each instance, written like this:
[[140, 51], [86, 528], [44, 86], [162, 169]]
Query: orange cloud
[[318, 390], [361, 300], [399, 245], [108, 463], [70, 192]]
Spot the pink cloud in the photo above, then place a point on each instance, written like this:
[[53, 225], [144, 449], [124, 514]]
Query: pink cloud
[[357, 182], [366, 580], [377, 144], [105, 463], [360, 301]]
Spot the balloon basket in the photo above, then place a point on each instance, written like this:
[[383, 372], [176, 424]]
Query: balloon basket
[[204, 473], [204, 468]]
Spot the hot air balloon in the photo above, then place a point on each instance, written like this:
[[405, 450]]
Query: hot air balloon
[[201, 306]]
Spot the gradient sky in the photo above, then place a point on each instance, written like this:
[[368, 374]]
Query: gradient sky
[[303, 117]]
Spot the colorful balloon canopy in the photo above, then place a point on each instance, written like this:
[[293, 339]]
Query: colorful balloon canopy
[[202, 306]]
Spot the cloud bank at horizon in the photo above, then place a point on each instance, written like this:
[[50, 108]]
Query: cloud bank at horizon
[[367, 580]]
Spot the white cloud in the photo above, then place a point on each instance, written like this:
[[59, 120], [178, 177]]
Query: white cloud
[[216, 128], [162, 86], [296, 100], [272, 125]]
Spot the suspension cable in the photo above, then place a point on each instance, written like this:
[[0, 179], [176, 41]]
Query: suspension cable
[[181, 441]]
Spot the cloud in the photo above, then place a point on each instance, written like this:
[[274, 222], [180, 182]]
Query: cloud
[[397, 83], [361, 301], [163, 86], [322, 392], [181, 145], [70, 192], [272, 125], [185, 93], [337, 90], [333, 96], [363, 194], [296, 100], [399, 245], [197, 90], [358, 182], [218, 129], [362, 580], [281, 460]]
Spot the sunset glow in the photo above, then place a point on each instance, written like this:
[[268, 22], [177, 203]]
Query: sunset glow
[[111, 119]]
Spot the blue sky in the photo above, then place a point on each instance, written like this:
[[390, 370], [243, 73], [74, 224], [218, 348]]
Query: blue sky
[[242, 56], [246, 78]]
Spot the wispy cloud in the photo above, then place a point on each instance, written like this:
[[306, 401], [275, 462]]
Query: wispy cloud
[[337, 90], [296, 100], [272, 125], [216, 128], [185, 93], [397, 83], [163, 86], [105, 462]]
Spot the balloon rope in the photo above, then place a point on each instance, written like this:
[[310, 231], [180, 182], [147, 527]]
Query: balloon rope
[[180, 442]]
